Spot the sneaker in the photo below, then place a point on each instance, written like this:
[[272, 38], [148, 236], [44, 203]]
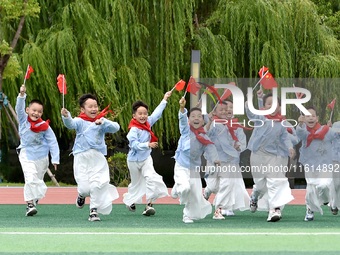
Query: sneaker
[[94, 215], [131, 208], [80, 202], [149, 210], [218, 215], [274, 215], [309, 215], [206, 194], [31, 210], [253, 206], [186, 219], [174, 194], [334, 210]]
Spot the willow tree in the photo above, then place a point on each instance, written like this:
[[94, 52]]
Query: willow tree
[[287, 36], [121, 50], [12, 18]]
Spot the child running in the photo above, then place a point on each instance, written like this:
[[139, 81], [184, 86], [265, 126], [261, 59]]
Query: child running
[[144, 179], [37, 140], [316, 158], [270, 186], [91, 170], [227, 182], [191, 145]]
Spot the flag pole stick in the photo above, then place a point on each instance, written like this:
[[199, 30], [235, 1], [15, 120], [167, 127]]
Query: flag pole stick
[[217, 102], [330, 118], [63, 91], [26, 74], [260, 80]]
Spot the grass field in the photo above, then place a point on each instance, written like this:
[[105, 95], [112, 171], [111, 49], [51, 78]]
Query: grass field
[[64, 229]]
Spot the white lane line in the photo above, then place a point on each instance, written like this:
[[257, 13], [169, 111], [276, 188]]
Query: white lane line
[[176, 233]]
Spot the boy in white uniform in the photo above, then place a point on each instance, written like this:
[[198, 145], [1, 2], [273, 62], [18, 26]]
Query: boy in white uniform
[[91, 170]]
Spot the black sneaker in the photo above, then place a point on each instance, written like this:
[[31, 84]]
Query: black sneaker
[[334, 210], [31, 210], [131, 208], [94, 215], [80, 202], [149, 210]]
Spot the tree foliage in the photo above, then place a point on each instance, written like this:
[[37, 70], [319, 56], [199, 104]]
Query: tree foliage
[[126, 50]]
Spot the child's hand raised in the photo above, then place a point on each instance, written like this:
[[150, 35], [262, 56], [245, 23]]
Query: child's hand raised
[[22, 90], [64, 112], [182, 102], [301, 119], [167, 95]]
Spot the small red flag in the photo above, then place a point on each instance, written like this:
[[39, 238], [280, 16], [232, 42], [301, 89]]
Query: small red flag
[[227, 92], [331, 104], [298, 95], [61, 82], [268, 81], [180, 85], [193, 86], [28, 72]]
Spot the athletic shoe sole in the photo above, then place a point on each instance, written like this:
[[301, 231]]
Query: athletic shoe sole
[[31, 212], [150, 211]]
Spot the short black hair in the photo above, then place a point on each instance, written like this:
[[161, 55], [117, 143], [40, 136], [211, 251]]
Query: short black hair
[[194, 109], [220, 102], [312, 107], [35, 101], [84, 97], [228, 100], [138, 104], [270, 95]]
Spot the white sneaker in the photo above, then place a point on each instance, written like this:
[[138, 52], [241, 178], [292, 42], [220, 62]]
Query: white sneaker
[[186, 219], [309, 215], [274, 215], [174, 194], [218, 215], [226, 212]]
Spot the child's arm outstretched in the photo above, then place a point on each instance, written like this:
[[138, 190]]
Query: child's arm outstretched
[[20, 104], [157, 113], [67, 119], [183, 118]]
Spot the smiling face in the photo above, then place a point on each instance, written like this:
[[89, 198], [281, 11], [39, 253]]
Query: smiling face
[[268, 104], [196, 119], [141, 115], [90, 108], [312, 119], [221, 111], [34, 111]]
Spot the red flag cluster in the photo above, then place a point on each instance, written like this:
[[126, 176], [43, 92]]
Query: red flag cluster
[[28, 72], [268, 81], [61, 82]]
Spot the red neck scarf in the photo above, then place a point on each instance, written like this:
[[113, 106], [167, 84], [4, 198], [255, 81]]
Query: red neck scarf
[[100, 115], [145, 126], [200, 138], [277, 117], [232, 125], [290, 130], [39, 125], [313, 135]]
